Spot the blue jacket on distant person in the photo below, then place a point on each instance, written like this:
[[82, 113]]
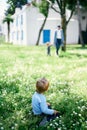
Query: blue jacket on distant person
[[55, 37]]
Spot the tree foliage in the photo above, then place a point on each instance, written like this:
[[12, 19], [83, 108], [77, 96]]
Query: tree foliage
[[44, 7], [13, 5]]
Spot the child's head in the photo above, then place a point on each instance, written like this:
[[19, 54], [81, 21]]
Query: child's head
[[48, 43], [42, 85]]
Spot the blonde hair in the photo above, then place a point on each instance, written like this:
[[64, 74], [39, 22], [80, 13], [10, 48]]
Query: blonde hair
[[42, 85]]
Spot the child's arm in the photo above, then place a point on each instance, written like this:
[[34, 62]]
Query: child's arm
[[48, 103], [55, 112], [45, 109]]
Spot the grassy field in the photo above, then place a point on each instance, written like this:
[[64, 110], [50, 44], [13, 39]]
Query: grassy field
[[20, 67]]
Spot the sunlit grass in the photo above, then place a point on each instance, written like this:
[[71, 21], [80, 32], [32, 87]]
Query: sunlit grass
[[70, 66]]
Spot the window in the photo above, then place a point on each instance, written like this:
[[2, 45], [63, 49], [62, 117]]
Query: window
[[17, 35], [17, 21], [21, 19], [22, 35]]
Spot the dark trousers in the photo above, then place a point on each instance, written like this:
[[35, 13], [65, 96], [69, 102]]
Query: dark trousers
[[48, 50], [58, 44], [46, 118], [51, 117]]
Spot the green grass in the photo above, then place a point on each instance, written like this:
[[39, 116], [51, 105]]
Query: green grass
[[20, 67], [2, 39]]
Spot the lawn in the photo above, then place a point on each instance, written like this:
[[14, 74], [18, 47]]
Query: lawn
[[21, 66]]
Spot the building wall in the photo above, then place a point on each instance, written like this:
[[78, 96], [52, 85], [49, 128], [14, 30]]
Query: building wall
[[72, 32], [32, 21], [18, 28], [32, 25]]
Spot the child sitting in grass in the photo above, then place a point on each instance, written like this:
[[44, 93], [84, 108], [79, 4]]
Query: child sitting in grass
[[39, 104]]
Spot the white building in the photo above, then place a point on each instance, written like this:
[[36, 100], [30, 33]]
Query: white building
[[27, 22]]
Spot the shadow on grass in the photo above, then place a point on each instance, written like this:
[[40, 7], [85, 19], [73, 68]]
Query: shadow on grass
[[77, 47], [74, 55]]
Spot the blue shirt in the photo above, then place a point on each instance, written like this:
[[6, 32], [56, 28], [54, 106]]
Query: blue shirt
[[39, 104]]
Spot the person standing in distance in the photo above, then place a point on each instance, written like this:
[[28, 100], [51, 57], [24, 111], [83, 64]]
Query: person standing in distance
[[58, 38]]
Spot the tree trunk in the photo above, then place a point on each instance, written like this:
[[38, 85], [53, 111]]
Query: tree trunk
[[64, 27], [79, 21], [80, 35], [37, 43], [8, 26], [63, 22]]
